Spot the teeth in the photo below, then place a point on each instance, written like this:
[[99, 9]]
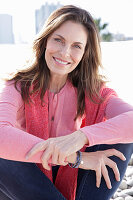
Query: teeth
[[61, 62]]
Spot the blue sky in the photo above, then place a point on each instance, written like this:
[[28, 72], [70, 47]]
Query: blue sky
[[118, 13]]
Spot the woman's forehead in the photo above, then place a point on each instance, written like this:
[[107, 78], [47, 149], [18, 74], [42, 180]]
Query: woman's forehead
[[72, 31]]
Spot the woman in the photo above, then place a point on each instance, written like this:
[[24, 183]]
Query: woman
[[41, 118]]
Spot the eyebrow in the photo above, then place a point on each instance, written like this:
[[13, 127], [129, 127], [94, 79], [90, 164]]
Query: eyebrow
[[64, 39]]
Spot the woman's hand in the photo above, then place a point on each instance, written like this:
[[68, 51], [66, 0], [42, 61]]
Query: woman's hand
[[56, 150], [98, 160]]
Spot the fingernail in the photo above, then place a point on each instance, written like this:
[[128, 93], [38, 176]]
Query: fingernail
[[124, 158], [118, 179]]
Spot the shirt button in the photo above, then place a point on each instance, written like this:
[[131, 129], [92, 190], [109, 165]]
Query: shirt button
[[52, 119]]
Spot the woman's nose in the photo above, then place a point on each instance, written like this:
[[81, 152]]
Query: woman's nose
[[65, 51]]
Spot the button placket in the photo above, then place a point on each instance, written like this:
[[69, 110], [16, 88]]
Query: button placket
[[54, 107]]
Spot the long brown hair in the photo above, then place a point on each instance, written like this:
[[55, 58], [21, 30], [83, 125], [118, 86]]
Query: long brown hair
[[85, 77]]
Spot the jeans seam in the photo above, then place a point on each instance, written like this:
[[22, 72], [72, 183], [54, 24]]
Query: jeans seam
[[82, 184], [11, 197], [81, 187]]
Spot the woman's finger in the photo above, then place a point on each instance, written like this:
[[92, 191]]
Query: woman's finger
[[38, 147], [62, 158], [114, 167], [106, 176], [45, 158], [114, 152], [98, 177], [55, 156]]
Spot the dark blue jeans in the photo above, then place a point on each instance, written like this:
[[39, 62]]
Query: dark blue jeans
[[25, 181]]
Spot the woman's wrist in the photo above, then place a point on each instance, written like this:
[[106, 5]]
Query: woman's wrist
[[81, 166], [78, 160], [83, 137]]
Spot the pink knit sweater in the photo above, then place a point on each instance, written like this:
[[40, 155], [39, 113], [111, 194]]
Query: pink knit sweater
[[38, 124], [16, 142]]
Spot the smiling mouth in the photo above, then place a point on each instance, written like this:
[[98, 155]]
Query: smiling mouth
[[61, 61]]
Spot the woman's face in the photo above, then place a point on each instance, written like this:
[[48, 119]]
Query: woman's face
[[65, 48]]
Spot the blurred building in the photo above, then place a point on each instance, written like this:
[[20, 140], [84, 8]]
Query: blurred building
[[6, 29], [43, 13], [120, 37]]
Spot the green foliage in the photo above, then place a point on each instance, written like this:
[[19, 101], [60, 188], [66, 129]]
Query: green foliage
[[107, 37], [102, 28]]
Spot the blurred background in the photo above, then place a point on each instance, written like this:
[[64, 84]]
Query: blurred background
[[21, 20]]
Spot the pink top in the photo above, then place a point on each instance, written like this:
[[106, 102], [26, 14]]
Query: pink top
[[63, 107], [16, 142]]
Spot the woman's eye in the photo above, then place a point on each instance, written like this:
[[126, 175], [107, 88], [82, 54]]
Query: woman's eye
[[77, 46], [57, 39]]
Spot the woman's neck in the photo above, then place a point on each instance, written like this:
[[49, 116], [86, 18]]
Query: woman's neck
[[57, 82]]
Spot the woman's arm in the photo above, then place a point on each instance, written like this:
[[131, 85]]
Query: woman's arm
[[117, 129], [14, 143], [116, 106]]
